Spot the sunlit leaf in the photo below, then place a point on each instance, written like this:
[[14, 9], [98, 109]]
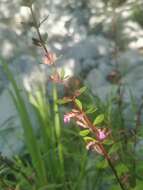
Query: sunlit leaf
[[87, 139], [62, 73], [108, 142], [78, 103], [84, 133], [99, 119], [64, 100], [81, 90], [102, 164]]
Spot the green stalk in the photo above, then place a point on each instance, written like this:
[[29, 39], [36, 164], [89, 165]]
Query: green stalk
[[29, 135], [42, 109], [58, 128], [82, 174]]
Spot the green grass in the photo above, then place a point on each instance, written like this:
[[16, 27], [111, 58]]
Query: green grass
[[52, 157]]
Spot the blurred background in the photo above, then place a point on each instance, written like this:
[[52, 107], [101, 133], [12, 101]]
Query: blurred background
[[92, 40]]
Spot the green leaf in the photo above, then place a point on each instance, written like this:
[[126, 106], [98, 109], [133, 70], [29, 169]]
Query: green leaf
[[122, 168], [84, 133], [78, 103], [102, 164], [115, 147], [64, 100], [81, 90], [139, 185], [62, 73], [108, 142], [99, 119], [87, 139], [29, 134], [115, 187], [33, 100], [91, 110], [45, 37]]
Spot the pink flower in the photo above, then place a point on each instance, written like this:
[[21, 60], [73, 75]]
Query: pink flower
[[78, 117], [49, 58], [74, 114], [66, 119], [103, 134], [68, 116]]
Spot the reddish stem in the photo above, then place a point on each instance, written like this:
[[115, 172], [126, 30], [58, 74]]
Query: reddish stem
[[102, 148]]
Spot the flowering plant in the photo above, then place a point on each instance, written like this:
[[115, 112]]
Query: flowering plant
[[48, 154], [92, 133]]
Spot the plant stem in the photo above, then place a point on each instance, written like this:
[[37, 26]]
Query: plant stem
[[111, 165], [58, 128], [115, 173], [55, 96]]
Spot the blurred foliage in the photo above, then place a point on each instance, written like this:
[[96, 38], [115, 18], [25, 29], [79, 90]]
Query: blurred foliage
[[137, 15], [114, 3]]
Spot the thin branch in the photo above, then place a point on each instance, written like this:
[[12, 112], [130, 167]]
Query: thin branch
[[111, 166], [43, 20], [38, 31]]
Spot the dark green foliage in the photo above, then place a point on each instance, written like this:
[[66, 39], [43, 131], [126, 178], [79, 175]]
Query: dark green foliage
[[137, 15]]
